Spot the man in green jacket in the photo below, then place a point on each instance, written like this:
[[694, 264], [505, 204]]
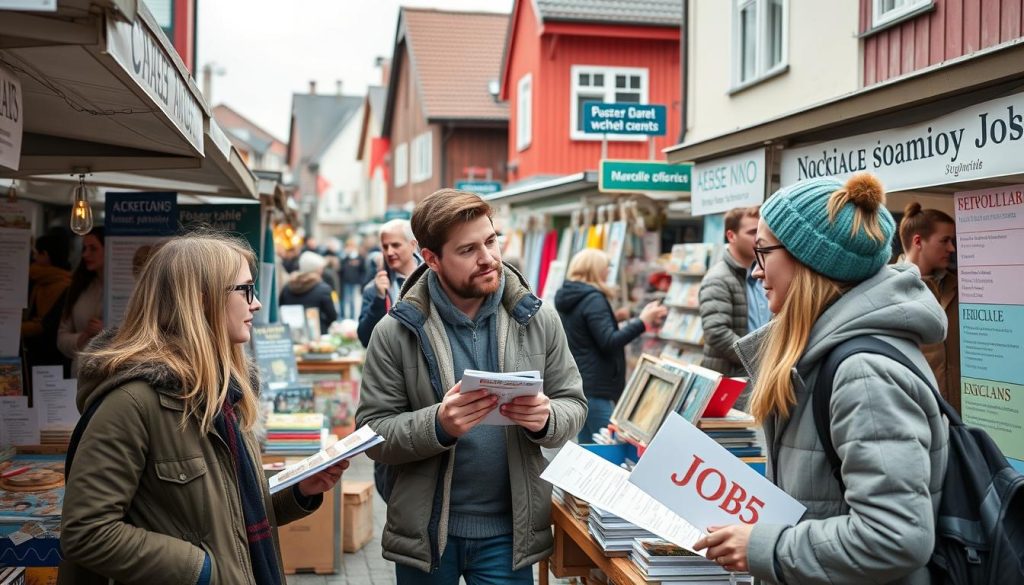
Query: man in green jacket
[[465, 499]]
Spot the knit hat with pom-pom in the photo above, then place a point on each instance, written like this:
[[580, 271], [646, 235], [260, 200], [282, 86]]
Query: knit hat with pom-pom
[[834, 239]]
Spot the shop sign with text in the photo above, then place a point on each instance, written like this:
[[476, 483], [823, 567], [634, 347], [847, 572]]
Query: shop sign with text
[[632, 176], [985, 140], [729, 182], [605, 118], [12, 119]]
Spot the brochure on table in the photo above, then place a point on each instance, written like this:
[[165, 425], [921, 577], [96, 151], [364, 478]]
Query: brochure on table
[[700, 480]]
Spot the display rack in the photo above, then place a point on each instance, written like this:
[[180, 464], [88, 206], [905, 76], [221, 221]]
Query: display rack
[[683, 330]]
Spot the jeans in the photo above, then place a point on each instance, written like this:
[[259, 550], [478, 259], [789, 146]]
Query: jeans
[[481, 561], [599, 412], [350, 293]]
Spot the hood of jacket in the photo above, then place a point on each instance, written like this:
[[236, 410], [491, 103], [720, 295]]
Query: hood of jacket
[[572, 293], [894, 302], [93, 384], [304, 282]]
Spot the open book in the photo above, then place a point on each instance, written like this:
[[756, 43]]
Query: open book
[[349, 447], [506, 386]]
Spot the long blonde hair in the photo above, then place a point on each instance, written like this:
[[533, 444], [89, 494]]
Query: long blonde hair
[[177, 316], [810, 293], [588, 266]]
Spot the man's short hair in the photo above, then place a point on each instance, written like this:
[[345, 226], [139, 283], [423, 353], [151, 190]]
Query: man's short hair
[[311, 262], [442, 210], [734, 216], [401, 226]]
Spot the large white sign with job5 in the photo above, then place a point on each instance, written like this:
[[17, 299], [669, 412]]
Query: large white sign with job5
[[974, 143]]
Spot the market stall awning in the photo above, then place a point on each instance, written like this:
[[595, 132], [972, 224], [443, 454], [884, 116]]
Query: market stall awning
[[105, 92], [533, 190]]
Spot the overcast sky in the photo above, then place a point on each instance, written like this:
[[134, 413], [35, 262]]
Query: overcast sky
[[268, 49]]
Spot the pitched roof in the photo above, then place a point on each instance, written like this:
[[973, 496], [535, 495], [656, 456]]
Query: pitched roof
[[318, 119], [454, 56], [635, 12], [244, 130]]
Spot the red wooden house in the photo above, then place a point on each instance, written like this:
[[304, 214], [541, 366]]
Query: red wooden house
[[903, 36], [560, 54]]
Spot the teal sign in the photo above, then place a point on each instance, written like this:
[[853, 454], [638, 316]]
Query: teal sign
[[478, 187], [628, 176], [240, 219], [397, 214], [604, 118]]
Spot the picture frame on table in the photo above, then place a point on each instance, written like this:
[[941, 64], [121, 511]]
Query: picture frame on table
[[655, 393], [619, 412]]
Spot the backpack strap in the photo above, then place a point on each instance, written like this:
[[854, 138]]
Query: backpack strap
[[76, 436], [821, 397]]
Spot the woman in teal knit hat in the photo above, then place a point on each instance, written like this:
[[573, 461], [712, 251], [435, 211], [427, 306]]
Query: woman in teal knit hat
[[822, 250]]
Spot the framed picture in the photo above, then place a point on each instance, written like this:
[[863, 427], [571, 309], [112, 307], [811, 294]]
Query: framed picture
[[619, 413], [656, 393]]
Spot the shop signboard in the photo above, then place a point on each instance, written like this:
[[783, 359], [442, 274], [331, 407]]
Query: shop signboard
[[978, 142], [240, 219], [272, 347], [12, 119], [990, 261], [643, 119], [729, 182], [479, 187], [632, 176], [134, 223], [144, 57]]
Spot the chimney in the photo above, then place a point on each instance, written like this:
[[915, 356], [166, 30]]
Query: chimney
[[338, 83], [208, 83], [385, 69], [312, 87]]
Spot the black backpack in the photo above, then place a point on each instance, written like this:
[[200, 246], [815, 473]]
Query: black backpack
[[980, 529]]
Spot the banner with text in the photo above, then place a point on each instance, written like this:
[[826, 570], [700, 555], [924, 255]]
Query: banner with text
[[729, 182], [238, 219], [990, 238], [633, 176], [12, 119], [605, 118], [978, 142]]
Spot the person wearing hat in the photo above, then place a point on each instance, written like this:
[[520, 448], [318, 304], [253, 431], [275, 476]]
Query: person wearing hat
[[307, 288], [822, 250]]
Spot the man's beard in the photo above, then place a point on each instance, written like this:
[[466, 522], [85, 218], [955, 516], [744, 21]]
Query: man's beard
[[472, 289]]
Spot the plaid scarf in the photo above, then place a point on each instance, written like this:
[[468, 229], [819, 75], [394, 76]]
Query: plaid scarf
[[261, 544]]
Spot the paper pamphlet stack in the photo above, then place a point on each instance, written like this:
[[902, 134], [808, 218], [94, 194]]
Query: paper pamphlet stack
[[736, 432], [613, 534], [506, 386], [578, 507], [346, 448], [295, 433], [658, 560]]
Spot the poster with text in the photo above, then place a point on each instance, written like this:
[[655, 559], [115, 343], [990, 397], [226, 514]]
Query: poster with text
[[990, 258]]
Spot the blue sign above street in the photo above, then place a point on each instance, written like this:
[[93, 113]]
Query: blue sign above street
[[604, 118], [479, 187]]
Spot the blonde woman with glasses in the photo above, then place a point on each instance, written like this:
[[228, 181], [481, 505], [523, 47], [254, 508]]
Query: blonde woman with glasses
[[822, 250], [166, 484]]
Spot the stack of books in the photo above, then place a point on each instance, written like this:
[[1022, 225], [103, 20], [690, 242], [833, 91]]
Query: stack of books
[[580, 509], [297, 433], [658, 560], [55, 436], [736, 432], [613, 534]]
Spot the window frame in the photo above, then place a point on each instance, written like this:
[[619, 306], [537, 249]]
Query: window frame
[[524, 112], [401, 165], [421, 159], [762, 43], [881, 20], [609, 96]]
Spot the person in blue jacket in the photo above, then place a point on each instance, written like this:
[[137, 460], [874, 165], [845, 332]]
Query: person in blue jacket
[[595, 339], [398, 251]]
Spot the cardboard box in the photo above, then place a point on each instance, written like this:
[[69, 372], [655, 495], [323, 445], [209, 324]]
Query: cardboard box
[[357, 499], [310, 545]]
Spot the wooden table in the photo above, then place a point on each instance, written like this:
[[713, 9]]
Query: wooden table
[[342, 366], [576, 553]]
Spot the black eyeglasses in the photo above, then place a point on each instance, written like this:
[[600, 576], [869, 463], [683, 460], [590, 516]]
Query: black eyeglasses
[[248, 288], [760, 251]]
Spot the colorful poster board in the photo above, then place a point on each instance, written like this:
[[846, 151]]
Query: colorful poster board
[[990, 258]]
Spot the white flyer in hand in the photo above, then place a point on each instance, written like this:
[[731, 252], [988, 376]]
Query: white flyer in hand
[[701, 481], [347, 448], [506, 386]]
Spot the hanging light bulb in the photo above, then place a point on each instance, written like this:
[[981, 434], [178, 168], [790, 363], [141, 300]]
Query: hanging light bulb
[[12, 193], [81, 212]]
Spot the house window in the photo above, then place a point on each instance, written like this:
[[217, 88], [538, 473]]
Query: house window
[[401, 164], [422, 161], [759, 38], [524, 112], [605, 84], [885, 11]]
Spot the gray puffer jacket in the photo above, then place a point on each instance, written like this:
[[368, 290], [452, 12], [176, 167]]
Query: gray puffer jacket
[[409, 369], [723, 315], [888, 432]]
